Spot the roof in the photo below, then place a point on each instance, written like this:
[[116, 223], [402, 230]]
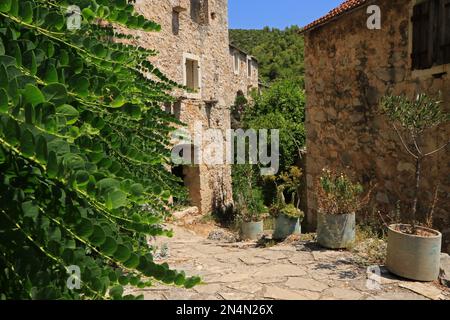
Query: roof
[[232, 46], [345, 7]]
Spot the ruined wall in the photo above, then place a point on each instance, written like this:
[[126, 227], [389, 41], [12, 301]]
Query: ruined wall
[[349, 68], [196, 29]]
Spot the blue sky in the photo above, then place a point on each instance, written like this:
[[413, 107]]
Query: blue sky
[[256, 14]]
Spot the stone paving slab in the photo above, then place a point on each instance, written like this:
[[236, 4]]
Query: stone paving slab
[[284, 272]]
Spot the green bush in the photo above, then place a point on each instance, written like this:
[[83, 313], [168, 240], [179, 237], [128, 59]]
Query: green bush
[[282, 107], [248, 197], [83, 147], [292, 211], [338, 194]]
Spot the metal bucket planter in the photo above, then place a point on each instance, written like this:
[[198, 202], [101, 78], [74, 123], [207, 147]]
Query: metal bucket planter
[[414, 257], [336, 231], [286, 226], [252, 230]]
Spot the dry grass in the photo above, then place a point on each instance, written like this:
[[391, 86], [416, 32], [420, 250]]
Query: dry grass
[[369, 247]]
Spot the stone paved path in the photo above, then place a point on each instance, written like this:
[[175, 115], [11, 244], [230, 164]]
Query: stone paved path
[[302, 271]]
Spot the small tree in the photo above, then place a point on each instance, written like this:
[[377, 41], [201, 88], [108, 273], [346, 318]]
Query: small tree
[[415, 117]]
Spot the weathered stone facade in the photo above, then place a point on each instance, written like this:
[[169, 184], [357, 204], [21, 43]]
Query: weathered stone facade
[[349, 68], [194, 50]]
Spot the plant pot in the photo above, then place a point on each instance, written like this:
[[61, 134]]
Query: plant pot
[[336, 231], [412, 256], [286, 226], [252, 230]]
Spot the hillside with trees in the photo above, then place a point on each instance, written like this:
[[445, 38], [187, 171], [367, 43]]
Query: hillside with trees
[[280, 52]]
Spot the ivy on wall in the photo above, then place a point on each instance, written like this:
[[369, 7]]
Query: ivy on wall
[[83, 152]]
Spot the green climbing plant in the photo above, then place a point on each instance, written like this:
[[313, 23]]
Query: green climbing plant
[[84, 146]]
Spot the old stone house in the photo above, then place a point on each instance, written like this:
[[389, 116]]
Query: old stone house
[[193, 50], [349, 68]]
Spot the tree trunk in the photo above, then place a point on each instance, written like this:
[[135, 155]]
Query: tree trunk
[[416, 192]]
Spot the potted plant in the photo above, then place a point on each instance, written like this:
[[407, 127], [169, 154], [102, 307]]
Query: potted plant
[[249, 202], [288, 216], [413, 250], [339, 200]]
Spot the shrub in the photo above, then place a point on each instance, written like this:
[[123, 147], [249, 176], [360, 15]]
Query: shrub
[[248, 197], [338, 195], [287, 182], [292, 211], [83, 146]]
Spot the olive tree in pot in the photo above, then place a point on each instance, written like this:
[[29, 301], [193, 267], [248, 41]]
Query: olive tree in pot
[[249, 202], [414, 250], [288, 216], [339, 200]]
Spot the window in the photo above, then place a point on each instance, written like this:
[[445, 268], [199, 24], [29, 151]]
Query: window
[[175, 22], [236, 63], [200, 11], [192, 74], [431, 34], [192, 77], [249, 67]]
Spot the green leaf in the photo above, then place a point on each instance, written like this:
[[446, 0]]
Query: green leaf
[[27, 143], [80, 85], [122, 253], [12, 132], [5, 5], [116, 292], [52, 165], [29, 61], [70, 113], [137, 189], [4, 101], [107, 184], [55, 20], [116, 199], [2, 156], [4, 79], [109, 247], [100, 51], [55, 92], [33, 95], [82, 178], [41, 149], [132, 262], [192, 282], [120, 4], [98, 236], [51, 75], [88, 14], [118, 102], [85, 228], [26, 11], [30, 209], [29, 114]]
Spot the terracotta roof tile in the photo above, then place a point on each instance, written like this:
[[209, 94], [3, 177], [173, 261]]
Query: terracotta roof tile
[[343, 8]]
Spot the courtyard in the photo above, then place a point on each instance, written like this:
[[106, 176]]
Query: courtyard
[[299, 270]]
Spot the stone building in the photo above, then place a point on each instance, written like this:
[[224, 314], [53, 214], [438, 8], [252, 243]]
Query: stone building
[[349, 67], [193, 50]]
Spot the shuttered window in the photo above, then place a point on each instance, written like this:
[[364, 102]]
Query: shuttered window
[[431, 34]]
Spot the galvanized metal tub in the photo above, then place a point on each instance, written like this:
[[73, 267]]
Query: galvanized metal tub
[[286, 226], [252, 230], [414, 257], [336, 231]]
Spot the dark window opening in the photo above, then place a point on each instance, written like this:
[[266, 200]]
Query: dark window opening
[[431, 34], [175, 22]]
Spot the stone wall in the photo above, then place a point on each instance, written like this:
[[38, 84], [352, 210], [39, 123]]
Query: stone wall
[[349, 68], [198, 29]]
